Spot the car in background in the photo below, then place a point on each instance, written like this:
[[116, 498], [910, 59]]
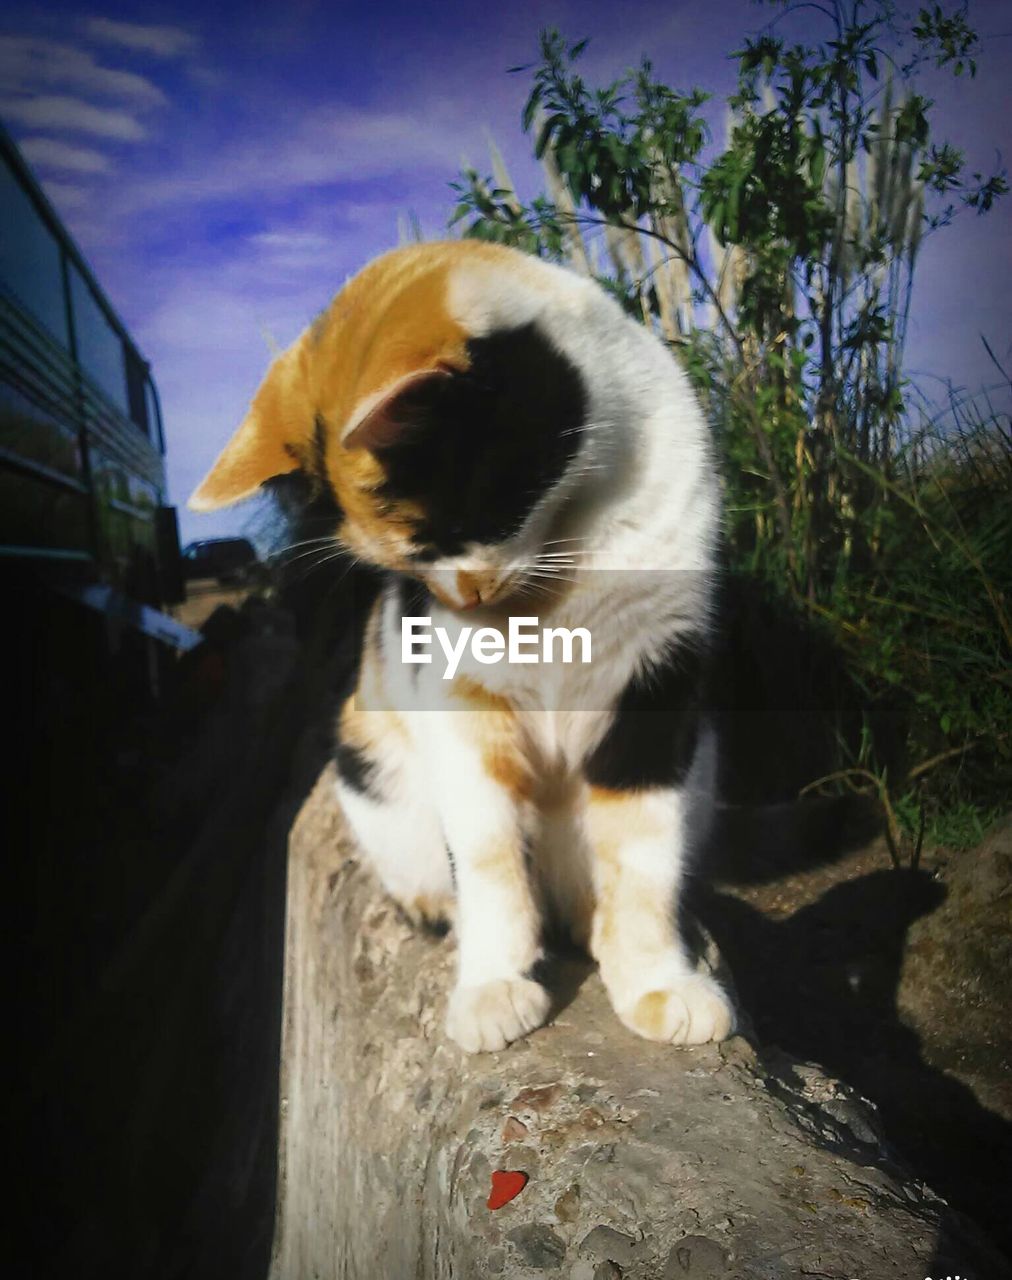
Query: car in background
[[233, 561]]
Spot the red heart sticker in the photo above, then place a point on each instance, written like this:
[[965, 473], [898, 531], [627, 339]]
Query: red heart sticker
[[506, 1186]]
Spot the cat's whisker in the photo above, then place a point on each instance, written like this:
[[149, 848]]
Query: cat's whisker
[[533, 589], [325, 552], [553, 577], [564, 561], [310, 565], [587, 426], [312, 543], [293, 554], [304, 542]]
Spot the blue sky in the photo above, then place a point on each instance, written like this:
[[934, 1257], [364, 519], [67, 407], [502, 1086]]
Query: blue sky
[[225, 167]]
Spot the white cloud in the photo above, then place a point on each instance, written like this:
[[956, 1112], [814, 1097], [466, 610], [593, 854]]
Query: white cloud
[[65, 196], [295, 251], [49, 153], [163, 42], [28, 63], [71, 115], [290, 241], [327, 147]]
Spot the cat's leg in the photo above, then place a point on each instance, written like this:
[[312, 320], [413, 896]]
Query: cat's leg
[[382, 795], [639, 840], [483, 791], [403, 842]]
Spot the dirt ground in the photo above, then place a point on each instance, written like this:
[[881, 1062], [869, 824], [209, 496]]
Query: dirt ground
[[203, 596]]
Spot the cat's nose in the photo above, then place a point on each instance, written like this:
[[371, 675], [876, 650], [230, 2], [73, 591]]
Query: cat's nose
[[475, 588]]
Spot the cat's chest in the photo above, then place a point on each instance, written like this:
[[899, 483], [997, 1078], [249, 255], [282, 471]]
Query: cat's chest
[[558, 742]]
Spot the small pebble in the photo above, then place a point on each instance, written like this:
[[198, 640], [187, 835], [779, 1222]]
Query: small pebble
[[514, 1130], [538, 1245], [608, 1245], [567, 1207]]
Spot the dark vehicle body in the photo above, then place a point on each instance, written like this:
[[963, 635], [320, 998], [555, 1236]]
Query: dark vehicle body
[[82, 475], [230, 560]]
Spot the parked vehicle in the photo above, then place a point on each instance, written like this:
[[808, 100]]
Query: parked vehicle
[[88, 544], [231, 560], [82, 471]]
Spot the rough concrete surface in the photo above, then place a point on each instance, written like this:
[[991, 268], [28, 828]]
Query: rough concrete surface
[[643, 1160]]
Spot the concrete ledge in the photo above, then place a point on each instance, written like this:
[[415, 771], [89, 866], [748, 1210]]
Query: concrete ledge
[[643, 1161]]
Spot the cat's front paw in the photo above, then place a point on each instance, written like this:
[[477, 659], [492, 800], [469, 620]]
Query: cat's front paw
[[488, 1017], [689, 1010]]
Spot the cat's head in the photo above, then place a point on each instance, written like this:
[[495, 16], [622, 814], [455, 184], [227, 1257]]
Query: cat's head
[[431, 404]]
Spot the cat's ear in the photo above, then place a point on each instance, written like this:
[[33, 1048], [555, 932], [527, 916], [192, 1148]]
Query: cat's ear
[[271, 440], [384, 418]]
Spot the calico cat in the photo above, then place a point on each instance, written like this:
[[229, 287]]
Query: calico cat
[[498, 435]]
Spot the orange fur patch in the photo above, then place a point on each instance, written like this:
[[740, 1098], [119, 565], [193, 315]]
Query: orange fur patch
[[508, 767], [605, 795], [471, 691], [389, 323], [651, 1014], [496, 730]]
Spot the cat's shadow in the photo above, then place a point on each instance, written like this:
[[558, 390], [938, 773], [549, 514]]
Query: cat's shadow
[[563, 971], [753, 844], [822, 984]]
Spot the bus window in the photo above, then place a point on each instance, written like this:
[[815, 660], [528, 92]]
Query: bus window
[[155, 433], [99, 346], [136, 389], [30, 256]]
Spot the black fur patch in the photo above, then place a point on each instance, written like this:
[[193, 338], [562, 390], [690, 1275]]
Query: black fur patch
[[653, 736], [437, 928], [357, 771], [318, 459], [480, 448]]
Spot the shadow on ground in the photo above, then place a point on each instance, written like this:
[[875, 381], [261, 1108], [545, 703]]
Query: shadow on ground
[[822, 984]]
